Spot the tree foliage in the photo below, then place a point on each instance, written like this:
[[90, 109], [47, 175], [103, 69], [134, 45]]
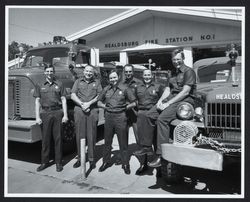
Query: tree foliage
[[14, 49]]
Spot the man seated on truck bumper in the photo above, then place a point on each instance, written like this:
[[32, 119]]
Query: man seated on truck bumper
[[181, 88], [50, 98]]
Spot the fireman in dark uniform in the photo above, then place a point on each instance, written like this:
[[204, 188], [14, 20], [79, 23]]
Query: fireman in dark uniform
[[182, 87], [148, 93], [116, 97], [131, 82], [84, 93], [50, 100]]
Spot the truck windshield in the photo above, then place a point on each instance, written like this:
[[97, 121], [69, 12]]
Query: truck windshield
[[219, 73], [55, 56]]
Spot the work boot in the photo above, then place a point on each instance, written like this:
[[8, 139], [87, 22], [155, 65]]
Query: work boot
[[143, 151], [141, 169], [155, 163], [59, 167], [77, 164], [104, 166], [126, 169], [118, 161], [42, 167], [92, 165]]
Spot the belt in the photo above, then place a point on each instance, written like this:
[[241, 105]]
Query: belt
[[115, 112], [52, 108]]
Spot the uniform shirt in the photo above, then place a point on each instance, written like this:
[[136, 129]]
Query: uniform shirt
[[185, 76], [133, 83], [116, 97], [50, 94], [147, 97], [86, 91]]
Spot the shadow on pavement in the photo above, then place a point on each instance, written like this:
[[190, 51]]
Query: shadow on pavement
[[29, 152], [200, 181]]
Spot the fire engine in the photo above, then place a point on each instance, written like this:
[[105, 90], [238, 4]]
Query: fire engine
[[69, 59], [207, 135]]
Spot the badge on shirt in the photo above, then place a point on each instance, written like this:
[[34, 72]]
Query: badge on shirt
[[56, 87], [94, 85], [120, 92], [153, 92]]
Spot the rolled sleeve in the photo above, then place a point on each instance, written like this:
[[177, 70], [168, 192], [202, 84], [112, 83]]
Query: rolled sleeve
[[37, 91], [63, 91], [189, 78], [102, 94], [74, 88]]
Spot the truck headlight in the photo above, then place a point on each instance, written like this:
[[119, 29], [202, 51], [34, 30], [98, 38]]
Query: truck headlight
[[185, 111]]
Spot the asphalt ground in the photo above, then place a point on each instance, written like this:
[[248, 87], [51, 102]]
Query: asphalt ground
[[24, 180]]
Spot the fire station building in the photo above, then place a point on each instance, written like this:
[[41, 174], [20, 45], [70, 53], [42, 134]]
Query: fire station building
[[143, 36]]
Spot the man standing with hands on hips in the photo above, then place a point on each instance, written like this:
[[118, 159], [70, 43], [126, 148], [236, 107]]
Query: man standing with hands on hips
[[84, 93], [50, 100]]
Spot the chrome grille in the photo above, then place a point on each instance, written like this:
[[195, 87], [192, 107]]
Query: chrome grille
[[11, 100], [17, 91], [21, 100], [223, 115], [14, 99]]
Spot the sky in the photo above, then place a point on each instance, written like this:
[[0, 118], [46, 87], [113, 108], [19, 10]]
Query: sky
[[38, 25]]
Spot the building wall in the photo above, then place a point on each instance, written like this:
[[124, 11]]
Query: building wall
[[167, 31]]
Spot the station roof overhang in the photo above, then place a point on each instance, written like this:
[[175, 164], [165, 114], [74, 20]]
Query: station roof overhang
[[148, 47], [131, 16]]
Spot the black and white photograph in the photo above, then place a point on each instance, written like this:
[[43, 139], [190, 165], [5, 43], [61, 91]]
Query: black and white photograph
[[124, 101]]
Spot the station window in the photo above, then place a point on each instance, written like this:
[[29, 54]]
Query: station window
[[211, 52], [110, 58], [162, 59]]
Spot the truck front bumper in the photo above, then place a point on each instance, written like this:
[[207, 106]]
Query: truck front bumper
[[192, 156], [24, 131]]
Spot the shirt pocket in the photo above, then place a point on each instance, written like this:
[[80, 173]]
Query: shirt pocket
[[153, 92], [44, 91], [120, 97], [57, 92]]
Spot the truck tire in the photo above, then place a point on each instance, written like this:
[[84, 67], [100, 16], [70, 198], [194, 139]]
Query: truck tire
[[171, 172], [68, 135]]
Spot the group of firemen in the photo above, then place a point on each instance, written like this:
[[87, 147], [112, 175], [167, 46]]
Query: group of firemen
[[143, 104]]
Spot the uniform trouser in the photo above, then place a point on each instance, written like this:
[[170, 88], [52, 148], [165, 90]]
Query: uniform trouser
[[140, 122], [161, 120], [132, 119], [52, 124], [141, 115], [86, 127], [116, 123]]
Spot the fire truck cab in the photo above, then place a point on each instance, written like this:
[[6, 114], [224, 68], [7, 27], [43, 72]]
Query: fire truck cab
[[69, 60], [208, 134]]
